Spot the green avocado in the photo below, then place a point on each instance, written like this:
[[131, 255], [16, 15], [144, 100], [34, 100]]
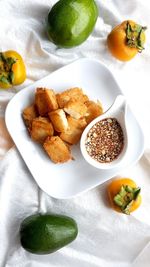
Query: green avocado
[[70, 22], [44, 234]]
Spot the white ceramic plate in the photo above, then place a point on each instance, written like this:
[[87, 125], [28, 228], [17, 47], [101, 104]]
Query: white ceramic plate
[[74, 177]]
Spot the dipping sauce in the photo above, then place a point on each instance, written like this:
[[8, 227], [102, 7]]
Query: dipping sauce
[[105, 140]]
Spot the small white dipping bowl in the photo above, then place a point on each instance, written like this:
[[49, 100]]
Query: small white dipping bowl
[[118, 112]]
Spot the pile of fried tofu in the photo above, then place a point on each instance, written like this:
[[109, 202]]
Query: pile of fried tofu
[[57, 121]]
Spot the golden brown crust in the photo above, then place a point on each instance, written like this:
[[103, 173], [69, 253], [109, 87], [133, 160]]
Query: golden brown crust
[[28, 115], [59, 120], [57, 150], [74, 131], [79, 124], [45, 101], [75, 94], [93, 110], [41, 128], [75, 109]]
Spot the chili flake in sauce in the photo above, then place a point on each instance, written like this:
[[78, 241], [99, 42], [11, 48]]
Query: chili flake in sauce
[[105, 140]]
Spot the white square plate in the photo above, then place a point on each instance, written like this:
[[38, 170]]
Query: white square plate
[[74, 177]]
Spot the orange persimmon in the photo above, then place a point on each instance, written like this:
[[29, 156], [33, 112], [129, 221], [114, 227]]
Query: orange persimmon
[[126, 40], [124, 195], [12, 69]]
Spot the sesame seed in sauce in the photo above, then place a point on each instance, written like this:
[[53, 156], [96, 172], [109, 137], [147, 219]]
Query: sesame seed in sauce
[[105, 140]]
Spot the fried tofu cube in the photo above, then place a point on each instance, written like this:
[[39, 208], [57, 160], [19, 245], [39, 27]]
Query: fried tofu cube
[[74, 131], [57, 150], [45, 101], [80, 123], [59, 120], [28, 115], [41, 128], [71, 94], [75, 109], [93, 110]]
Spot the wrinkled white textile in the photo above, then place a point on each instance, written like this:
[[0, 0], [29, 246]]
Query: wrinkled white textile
[[106, 238]]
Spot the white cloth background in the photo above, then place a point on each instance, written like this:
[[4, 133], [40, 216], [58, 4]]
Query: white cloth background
[[105, 238]]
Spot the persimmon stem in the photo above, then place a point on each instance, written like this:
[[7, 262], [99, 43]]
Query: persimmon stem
[[125, 198], [6, 73], [134, 36]]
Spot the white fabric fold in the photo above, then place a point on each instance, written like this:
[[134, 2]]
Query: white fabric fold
[[106, 238]]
